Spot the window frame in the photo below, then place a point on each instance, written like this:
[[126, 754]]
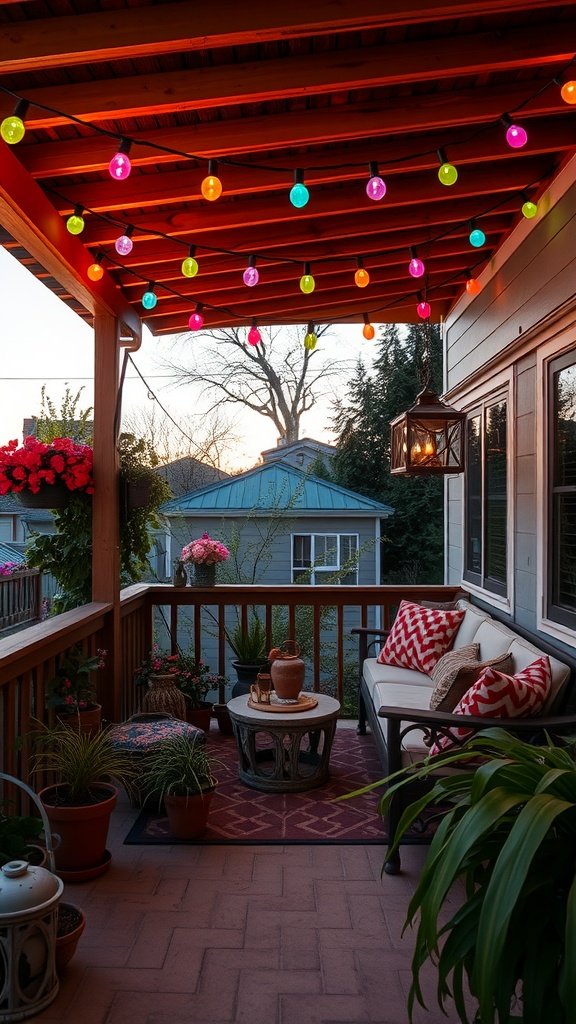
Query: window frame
[[554, 613], [322, 570], [492, 589]]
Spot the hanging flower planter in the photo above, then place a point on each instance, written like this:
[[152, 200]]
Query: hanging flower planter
[[49, 496], [45, 475]]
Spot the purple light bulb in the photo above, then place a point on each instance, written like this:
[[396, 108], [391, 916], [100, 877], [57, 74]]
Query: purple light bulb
[[120, 166], [251, 276], [416, 267], [124, 245], [516, 136], [376, 188]]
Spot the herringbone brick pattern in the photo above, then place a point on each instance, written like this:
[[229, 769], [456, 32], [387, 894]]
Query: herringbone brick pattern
[[253, 935]]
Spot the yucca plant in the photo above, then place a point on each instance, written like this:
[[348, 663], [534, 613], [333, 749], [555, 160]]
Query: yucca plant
[[509, 834]]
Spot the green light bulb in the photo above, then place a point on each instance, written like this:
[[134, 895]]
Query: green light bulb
[[75, 224], [310, 341], [307, 284], [190, 267], [12, 129], [447, 174], [529, 209]]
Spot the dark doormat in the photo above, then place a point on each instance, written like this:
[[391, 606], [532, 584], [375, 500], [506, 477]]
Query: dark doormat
[[243, 816]]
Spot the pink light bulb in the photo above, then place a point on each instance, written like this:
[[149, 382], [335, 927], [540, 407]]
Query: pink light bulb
[[376, 188], [516, 136], [416, 267], [423, 310], [120, 166], [251, 276], [254, 336], [124, 245], [196, 321]]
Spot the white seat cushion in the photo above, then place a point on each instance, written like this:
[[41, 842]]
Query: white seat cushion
[[390, 674]]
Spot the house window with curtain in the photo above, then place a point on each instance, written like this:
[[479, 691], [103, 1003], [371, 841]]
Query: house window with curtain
[[486, 497], [319, 557], [562, 491]]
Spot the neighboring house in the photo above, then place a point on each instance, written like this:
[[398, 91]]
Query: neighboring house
[[301, 454], [188, 474], [11, 553], [511, 365], [302, 527]]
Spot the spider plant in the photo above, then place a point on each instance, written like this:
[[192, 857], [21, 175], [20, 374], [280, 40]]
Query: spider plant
[[177, 767], [79, 762], [509, 835]]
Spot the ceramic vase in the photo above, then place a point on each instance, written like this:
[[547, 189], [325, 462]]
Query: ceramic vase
[[165, 696], [203, 575]]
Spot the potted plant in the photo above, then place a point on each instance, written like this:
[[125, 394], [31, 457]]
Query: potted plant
[[17, 838], [509, 835], [44, 474], [72, 691], [203, 554], [192, 679], [180, 772], [70, 923], [249, 645], [79, 803]]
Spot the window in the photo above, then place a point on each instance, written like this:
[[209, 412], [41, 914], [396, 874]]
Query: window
[[562, 491], [486, 486], [318, 557]]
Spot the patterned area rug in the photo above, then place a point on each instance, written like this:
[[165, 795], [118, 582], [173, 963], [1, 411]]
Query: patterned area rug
[[246, 816]]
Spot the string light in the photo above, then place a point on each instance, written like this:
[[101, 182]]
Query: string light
[[307, 282], [75, 223], [299, 194], [423, 309], [196, 321], [416, 267], [529, 208], [311, 339], [189, 266], [95, 270], [361, 277], [568, 92], [124, 243], [367, 330], [211, 187], [516, 135], [251, 275], [447, 173], [477, 238], [150, 299], [376, 187], [120, 166], [12, 128], [254, 336], [473, 287]]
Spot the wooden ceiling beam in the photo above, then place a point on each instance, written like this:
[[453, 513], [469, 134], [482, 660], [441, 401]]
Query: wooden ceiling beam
[[252, 135], [169, 187], [196, 223], [307, 75]]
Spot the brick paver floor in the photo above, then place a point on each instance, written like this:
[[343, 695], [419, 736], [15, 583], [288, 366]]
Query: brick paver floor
[[248, 934]]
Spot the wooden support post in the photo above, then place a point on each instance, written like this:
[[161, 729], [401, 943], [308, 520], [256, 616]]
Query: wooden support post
[[105, 522]]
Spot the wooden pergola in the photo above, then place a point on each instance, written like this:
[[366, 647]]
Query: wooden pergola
[[324, 94]]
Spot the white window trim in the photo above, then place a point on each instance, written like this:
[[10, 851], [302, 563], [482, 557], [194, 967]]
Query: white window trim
[[503, 386], [322, 569], [545, 355]]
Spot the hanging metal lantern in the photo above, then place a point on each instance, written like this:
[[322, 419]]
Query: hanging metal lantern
[[428, 438]]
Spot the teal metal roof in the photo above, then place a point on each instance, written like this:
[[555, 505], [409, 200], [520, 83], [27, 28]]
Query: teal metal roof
[[10, 553], [276, 486]]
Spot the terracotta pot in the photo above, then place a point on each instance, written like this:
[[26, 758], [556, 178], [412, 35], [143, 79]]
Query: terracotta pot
[[288, 677], [223, 718], [88, 721], [164, 695], [83, 830], [200, 717], [188, 815], [66, 944]]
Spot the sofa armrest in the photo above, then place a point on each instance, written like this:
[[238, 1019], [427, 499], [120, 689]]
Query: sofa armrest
[[444, 718], [363, 633]]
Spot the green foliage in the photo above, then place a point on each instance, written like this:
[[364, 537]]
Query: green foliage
[[510, 837], [249, 645], [68, 421], [17, 835], [80, 761], [67, 554], [412, 546], [177, 767]]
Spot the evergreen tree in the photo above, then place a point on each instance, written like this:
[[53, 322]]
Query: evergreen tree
[[412, 548]]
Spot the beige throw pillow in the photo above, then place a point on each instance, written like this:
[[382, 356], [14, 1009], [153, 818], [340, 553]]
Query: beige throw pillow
[[457, 676]]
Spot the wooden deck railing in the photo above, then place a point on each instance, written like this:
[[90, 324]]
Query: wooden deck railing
[[192, 618], [20, 598]]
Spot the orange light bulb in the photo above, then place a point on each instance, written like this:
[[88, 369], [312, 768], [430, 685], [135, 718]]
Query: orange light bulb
[[211, 187], [95, 272], [368, 332], [362, 277]]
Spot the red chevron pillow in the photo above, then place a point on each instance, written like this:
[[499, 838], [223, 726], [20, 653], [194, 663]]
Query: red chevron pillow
[[496, 695], [420, 636]]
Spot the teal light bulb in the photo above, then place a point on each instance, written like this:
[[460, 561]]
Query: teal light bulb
[[299, 195], [477, 238], [307, 284], [149, 300], [75, 224], [190, 267], [12, 129]]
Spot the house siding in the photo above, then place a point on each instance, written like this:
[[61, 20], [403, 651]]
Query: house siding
[[530, 293]]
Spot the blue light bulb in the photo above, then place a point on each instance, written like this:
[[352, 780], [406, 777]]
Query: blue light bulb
[[299, 195]]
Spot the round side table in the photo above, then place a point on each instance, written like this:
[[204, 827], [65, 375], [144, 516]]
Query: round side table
[[284, 752]]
